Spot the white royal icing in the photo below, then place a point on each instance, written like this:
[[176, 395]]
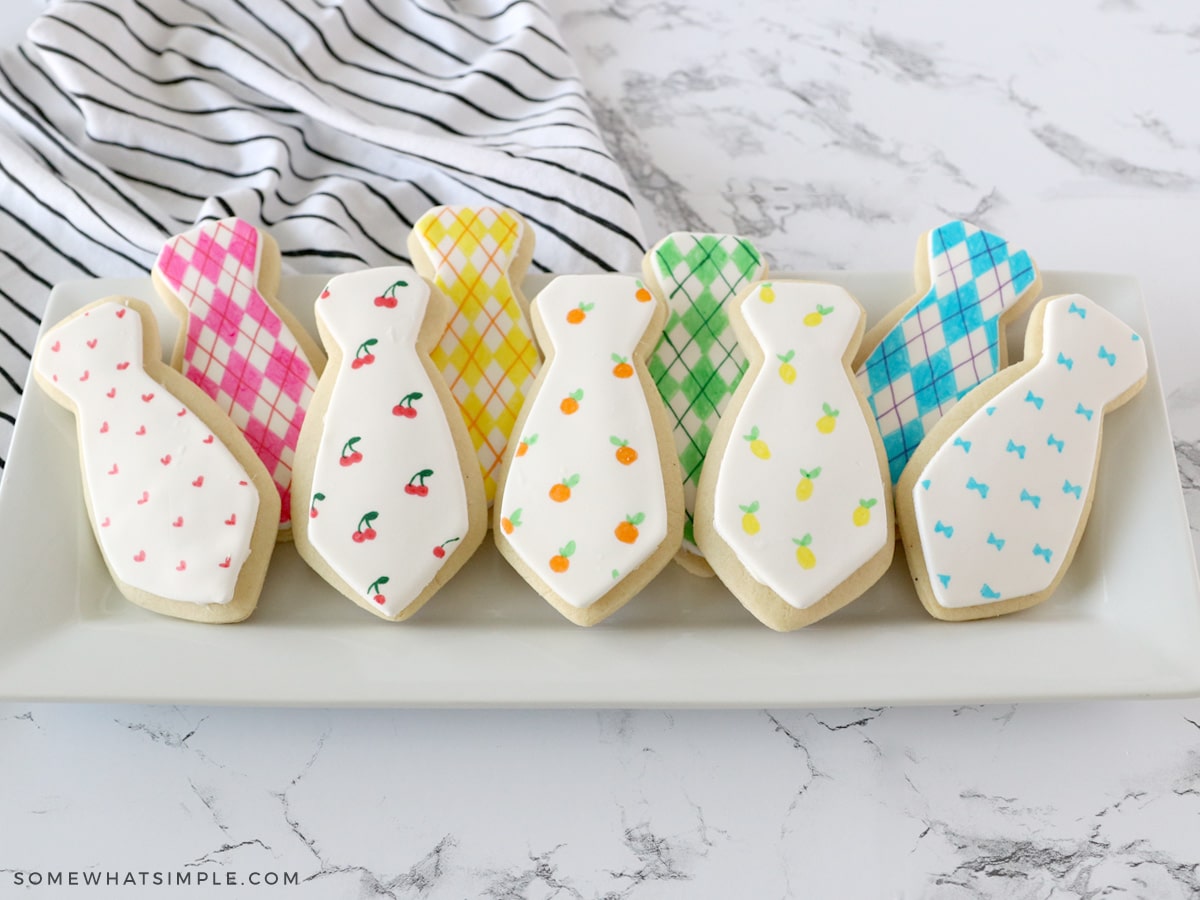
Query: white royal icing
[[799, 496], [403, 493], [999, 504], [604, 452], [173, 509]]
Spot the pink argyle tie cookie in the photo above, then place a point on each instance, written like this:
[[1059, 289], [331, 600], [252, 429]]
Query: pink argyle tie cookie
[[239, 346]]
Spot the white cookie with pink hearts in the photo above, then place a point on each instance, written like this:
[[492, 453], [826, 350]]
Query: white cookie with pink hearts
[[184, 512]]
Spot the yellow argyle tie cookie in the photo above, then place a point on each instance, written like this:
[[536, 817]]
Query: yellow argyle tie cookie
[[477, 257]]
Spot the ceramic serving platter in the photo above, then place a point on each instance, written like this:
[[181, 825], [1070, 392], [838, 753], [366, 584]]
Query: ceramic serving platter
[[1124, 623]]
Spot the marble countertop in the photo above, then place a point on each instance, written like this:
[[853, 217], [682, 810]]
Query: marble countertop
[[833, 134]]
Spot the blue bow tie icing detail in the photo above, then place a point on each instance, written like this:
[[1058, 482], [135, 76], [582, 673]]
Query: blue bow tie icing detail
[[945, 580], [1076, 489], [947, 530], [1032, 498], [1066, 361], [990, 410], [926, 483], [1043, 552], [1018, 449], [1077, 309], [1037, 401], [988, 594], [1052, 441], [966, 445], [1082, 410], [973, 485], [1136, 336], [1110, 358], [996, 542]]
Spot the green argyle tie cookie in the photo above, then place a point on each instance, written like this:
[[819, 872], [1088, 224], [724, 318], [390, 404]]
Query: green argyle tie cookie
[[697, 364]]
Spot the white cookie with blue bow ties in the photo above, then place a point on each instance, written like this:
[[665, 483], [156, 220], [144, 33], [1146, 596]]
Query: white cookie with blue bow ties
[[992, 506]]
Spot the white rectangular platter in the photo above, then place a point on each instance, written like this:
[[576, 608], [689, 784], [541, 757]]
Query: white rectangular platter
[[1124, 623]]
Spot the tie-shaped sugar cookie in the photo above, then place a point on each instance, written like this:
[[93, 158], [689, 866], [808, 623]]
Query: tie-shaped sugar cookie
[[184, 513], [590, 503], [237, 344], [927, 353], [393, 501], [992, 508], [477, 256], [794, 511], [698, 364]]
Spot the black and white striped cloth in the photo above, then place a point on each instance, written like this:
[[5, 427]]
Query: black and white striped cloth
[[333, 123]]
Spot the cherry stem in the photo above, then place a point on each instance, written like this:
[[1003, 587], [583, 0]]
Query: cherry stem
[[422, 475], [444, 543], [391, 291]]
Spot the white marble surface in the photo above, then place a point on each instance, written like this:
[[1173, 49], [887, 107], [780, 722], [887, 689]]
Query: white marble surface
[[833, 133]]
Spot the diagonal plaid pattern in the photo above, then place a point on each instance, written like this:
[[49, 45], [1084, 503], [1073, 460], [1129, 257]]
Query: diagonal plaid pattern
[[697, 364], [486, 354], [238, 350], [948, 342]]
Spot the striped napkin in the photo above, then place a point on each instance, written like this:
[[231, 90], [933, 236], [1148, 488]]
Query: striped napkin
[[335, 125]]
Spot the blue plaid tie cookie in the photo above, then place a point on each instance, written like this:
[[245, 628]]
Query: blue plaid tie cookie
[[923, 357]]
